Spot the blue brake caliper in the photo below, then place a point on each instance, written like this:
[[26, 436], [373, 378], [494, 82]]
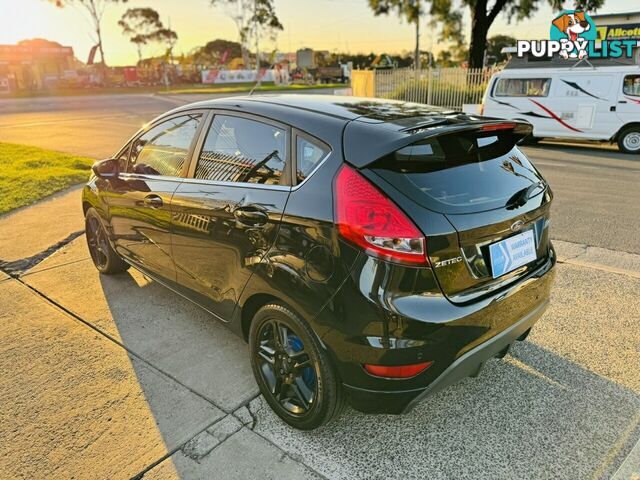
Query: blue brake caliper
[[308, 375]]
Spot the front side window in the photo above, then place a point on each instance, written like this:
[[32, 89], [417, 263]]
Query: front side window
[[631, 85], [243, 150], [164, 148], [308, 156], [522, 87]]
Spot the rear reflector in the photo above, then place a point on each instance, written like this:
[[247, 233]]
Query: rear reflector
[[369, 219], [497, 126], [398, 371]]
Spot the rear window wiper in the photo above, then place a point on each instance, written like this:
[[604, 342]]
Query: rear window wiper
[[521, 197]]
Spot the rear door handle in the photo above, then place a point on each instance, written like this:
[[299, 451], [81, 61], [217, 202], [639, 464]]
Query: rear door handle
[[153, 201], [251, 216], [622, 101]]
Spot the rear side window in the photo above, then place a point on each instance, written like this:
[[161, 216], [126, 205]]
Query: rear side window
[[243, 150], [164, 148], [460, 173], [309, 155], [631, 85], [522, 87]]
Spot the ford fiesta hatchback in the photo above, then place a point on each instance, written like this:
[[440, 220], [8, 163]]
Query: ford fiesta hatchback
[[369, 251]]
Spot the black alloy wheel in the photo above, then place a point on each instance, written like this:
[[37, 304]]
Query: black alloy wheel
[[105, 259], [292, 370]]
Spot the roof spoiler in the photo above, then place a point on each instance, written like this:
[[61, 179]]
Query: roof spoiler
[[365, 143]]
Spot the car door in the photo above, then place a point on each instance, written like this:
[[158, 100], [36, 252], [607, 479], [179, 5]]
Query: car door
[[226, 215], [628, 108], [139, 202]]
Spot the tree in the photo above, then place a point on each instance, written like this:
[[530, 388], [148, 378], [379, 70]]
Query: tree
[[495, 44], [410, 10], [216, 52], [165, 36], [140, 25], [252, 18], [452, 57], [95, 9], [483, 14]]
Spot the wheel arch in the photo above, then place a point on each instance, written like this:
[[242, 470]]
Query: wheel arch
[[616, 136], [251, 306]]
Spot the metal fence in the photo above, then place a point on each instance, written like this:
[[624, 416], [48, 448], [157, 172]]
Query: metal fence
[[443, 87]]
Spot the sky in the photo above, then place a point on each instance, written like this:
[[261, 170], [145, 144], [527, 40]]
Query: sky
[[334, 25]]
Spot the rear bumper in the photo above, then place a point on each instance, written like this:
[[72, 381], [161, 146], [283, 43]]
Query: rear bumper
[[469, 364], [403, 329]]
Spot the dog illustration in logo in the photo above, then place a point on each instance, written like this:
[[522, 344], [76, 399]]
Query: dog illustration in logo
[[572, 25]]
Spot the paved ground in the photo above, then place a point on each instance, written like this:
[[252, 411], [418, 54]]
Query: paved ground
[[115, 377], [124, 366]]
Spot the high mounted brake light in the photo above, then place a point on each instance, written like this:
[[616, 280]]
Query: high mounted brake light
[[367, 218], [497, 126]]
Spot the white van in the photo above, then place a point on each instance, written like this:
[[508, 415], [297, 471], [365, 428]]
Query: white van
[[587, 102]]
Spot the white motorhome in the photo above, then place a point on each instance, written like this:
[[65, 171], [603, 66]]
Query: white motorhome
[[587, 101]]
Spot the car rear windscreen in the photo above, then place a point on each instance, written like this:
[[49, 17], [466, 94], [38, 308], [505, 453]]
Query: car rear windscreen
[[460, 172]]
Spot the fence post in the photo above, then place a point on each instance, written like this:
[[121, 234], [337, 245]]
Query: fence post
[[429, 75]]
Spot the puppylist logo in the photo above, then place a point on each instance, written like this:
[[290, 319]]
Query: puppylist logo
[[573, 35]]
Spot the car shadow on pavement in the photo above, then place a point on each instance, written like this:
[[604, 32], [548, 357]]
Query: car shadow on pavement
[[179, 339]]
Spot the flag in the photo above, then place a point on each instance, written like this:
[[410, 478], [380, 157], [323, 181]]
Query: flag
[[92, 55]]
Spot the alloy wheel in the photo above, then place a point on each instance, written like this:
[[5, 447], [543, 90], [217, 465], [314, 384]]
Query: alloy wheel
[[98, 243], [287, 369]]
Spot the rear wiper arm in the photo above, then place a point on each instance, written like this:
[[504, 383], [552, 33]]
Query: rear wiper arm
[[519, 198]]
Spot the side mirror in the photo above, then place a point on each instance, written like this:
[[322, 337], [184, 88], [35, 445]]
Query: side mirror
[[106, 169]]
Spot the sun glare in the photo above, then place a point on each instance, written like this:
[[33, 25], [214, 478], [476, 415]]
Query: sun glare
[[28, 19]]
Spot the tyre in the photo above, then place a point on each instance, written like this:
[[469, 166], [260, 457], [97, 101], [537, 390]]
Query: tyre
[[103, 255], [292, 369], [629, 139]]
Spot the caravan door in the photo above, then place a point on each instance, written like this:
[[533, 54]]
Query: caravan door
[[587, 101]]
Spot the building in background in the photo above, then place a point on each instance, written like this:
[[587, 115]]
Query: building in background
[[35, 64], [305, 58], [618, 26]]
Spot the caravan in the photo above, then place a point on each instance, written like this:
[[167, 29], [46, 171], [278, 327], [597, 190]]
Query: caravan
[[596, 101]]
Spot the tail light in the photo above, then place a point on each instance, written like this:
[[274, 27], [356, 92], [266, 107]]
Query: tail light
[[367, 218], [397, 371], [481, 109]]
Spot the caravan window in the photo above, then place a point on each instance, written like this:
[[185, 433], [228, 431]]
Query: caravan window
[[522, 87], [631, 85]]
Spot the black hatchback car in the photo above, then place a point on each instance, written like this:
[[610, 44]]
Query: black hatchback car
[[370, 251]]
